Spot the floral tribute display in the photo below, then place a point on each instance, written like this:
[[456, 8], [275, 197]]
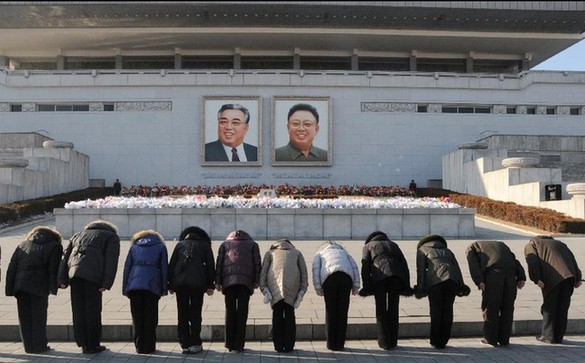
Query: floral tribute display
[[344, 197], [251, 190]]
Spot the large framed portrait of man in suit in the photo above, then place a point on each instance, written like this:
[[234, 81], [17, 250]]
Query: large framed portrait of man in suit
[[301, 131], [231, 131]]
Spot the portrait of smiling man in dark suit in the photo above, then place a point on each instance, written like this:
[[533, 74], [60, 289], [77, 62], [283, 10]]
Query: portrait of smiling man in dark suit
[[233, 124]]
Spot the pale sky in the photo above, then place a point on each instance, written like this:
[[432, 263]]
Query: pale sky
[[571, 59]]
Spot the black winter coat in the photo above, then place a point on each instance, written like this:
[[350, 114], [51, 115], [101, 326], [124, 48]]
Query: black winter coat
[[92, 255], [382, 258], [435, 263], [34, 265], [192, 264]]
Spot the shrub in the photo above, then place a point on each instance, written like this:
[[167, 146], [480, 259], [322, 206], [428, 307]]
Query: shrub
[[541, 218]]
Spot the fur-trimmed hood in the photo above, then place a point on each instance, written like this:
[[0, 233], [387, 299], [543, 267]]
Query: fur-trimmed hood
[[101, 224], [147, 236], [41, 234]]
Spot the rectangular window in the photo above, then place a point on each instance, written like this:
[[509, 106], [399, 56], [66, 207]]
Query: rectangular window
[[531, 110], [550, 110], [62, 108], [510, 110], [422, 108], [449, 110], [483, 110], [465, 110], [108, 107], [44, 108], [574, 111], [15, 108]]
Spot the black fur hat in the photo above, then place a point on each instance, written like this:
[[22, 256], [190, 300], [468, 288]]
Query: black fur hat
[[376, 234], [196, 232]]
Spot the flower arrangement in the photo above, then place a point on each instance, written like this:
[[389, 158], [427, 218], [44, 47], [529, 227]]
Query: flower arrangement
[[252, 190], [202, 201]]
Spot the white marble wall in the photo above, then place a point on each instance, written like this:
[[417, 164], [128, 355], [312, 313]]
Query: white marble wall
[[371, 148], [302, 224]]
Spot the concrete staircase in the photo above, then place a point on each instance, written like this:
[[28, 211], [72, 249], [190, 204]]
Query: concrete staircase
[[33, 165], [521, 169]]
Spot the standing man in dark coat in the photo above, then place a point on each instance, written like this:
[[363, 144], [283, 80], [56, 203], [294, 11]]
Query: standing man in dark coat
[[552, 266], [385, 274], [89, 265], [191, 275], [498, 274], [31, 277], [237, 275]]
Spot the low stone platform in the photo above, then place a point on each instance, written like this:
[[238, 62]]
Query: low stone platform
[[265, 223]]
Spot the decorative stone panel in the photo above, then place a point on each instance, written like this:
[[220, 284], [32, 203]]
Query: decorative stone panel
[[522, 162], [541, 110], [57, 145], [500, 109], [130, 106], [435, 108], [388, 107], [158, 106], [28, 107], [563, 110], [522, 110], [4, 107], [96, 106]]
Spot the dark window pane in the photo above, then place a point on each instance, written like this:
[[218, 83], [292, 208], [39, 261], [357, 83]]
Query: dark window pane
[[15, 108], [465, 109], [326, 63], [80, 107], [574, 111], [421, 108], [63, 107], [108, 107], [483, 110], [45, 107], [511, 110], [449, 110]]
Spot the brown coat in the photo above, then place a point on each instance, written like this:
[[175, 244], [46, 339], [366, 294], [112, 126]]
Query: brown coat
[[551, 262]]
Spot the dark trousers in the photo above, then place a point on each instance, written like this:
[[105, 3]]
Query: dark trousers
[[441, 299], [498, 306], [144, 309], [237, 298], [555, 310], [86, 305], [387, 297], [189, 305], [284, 327], [32, 319], [336, 290]]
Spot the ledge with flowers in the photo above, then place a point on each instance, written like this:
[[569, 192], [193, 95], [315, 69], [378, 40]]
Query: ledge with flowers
[[297, 212]]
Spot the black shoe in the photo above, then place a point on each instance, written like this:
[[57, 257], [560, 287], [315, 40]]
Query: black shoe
[[542, 339], [485, 342], [95, 350]]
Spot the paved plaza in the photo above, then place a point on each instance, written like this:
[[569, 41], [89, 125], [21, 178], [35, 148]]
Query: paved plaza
[[414, 317]]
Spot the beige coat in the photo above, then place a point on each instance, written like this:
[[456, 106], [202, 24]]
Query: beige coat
[[284, 272]]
